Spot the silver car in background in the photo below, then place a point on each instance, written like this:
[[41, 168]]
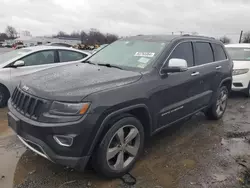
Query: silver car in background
[[16, 64]]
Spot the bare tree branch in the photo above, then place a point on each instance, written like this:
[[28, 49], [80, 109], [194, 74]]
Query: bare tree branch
[[11, 32], [225, 40], [246, 37]]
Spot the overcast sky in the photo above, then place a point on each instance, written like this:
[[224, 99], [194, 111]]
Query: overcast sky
[[127, 17]]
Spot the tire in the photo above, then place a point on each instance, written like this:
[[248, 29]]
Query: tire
[[108, 163], [4, 96], [247, 92], [213, 112]]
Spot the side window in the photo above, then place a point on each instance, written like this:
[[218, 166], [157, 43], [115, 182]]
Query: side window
[[67, 55], [184, 51], [219, 53], [39, 58], [204, 53]]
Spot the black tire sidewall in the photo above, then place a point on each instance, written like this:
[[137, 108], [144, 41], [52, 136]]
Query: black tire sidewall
[[99, 158], [247, 93], [3, 92]]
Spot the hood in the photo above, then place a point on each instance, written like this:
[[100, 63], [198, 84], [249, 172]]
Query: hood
[[74, 82], [241, 64]]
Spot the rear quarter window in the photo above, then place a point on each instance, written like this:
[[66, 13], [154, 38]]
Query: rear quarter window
[[219, 52]]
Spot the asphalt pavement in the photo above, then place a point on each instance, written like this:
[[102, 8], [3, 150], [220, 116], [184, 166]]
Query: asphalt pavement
[[2, 50]]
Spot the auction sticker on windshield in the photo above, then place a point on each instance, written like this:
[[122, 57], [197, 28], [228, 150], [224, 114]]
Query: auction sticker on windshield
[[144, 54], [143, 60]]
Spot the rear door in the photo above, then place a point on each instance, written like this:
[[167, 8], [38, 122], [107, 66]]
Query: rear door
[[69, 56], [221, 65], [206, 67]]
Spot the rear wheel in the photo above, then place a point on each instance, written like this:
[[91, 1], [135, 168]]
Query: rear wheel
[[218, 108], [120, 148], [4, 96]]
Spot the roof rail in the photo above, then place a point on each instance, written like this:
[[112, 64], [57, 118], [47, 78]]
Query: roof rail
[[186, 35]]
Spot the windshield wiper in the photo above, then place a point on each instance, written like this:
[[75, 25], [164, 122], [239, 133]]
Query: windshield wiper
[[89, 62], [109, 65]]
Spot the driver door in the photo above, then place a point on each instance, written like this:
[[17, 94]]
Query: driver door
[[179, 90]]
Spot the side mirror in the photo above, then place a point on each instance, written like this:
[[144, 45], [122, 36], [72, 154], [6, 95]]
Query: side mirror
[[175, 65], [19, 63]]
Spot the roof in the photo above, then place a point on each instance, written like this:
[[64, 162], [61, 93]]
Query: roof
[[239, 45], [43, 47], [164, 38]]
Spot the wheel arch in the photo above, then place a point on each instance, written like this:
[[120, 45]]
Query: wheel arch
[[5, 87], [3, 104], [228, 83], [137, 110]]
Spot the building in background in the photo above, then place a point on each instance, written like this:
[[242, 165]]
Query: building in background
[[31, 41]]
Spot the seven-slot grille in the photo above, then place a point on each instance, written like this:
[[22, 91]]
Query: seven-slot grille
[[26, 104]]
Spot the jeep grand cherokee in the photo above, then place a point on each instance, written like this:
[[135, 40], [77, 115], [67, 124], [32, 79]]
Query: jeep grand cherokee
[[102, 110]]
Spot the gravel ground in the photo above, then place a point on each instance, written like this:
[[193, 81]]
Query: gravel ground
[[195, 154]]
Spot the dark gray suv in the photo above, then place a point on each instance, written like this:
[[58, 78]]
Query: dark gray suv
[[102, 110]]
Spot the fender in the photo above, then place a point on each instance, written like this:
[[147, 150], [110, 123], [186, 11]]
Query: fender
[[226, 79], [111, 115], [213, 99]]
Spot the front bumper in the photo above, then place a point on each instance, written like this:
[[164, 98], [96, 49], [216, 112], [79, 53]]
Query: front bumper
[[39, 138], [43, 150], [240, 82]]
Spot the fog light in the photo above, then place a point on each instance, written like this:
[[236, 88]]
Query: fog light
[[63, 140]]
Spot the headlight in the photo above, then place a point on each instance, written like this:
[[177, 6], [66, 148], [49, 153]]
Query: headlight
[[240, 71], [61, 108]]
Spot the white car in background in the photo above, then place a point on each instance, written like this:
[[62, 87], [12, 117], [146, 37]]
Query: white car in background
[[16, 64], [240, 53]]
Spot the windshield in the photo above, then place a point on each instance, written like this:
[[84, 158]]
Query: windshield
[[130, 54], [4, 57], [239, 54]]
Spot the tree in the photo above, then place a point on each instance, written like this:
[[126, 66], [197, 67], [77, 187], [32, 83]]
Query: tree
[[94, 36], [75, 34], [62, 34], [3, 36], [11, 32], [225, 40], [84, 37], [26, 33], [246, 37], [194, 33], [111, 38]]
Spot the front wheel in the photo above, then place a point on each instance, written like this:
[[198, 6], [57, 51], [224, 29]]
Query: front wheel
[[4, 96], [120, 148], [218, 108], [247, 92]]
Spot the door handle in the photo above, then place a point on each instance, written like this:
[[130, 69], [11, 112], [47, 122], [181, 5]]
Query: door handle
[[195, 74], [218, 67]]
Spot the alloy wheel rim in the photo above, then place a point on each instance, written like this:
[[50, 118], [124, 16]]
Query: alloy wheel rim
[[123, 147], [221, 103]]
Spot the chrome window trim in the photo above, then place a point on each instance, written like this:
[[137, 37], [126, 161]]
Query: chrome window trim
[[196, 66]]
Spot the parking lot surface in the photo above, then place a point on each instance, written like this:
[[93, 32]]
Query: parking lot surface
[[196, 153], [2, 50]]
